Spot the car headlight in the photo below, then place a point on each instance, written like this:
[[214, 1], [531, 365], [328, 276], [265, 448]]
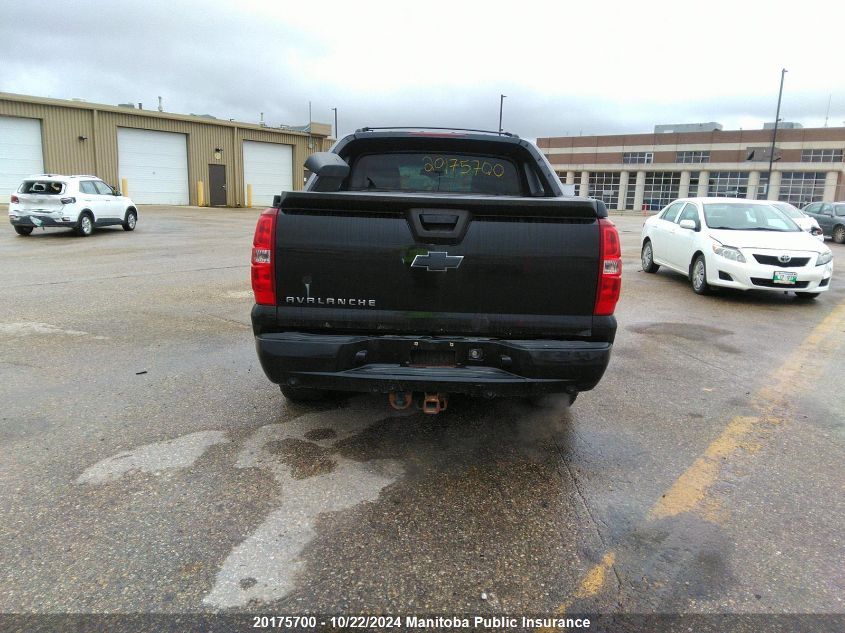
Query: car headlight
[[728, 252], [824, 258]]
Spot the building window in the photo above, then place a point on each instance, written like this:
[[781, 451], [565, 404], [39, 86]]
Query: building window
[[661, 187], [763, 187], [728, 184], [632, 158], [821, 156], [604, 185], [801, 187], [693, 186], [693, 157], [631, 190]]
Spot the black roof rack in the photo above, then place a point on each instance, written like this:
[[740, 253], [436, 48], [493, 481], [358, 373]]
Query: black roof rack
[[426, 127]]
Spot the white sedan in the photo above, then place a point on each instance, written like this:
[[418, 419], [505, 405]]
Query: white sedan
[[735, 243], [804, 221]]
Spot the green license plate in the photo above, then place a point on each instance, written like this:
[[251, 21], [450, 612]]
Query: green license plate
[[785, 277]]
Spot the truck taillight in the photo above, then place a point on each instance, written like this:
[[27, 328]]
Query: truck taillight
[[14, 199], [263, 277], [610, 269]]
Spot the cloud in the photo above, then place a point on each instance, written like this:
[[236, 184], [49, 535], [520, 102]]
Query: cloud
[[564, 68]]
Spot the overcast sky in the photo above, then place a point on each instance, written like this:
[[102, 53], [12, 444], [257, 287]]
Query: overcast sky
[[566, 67]]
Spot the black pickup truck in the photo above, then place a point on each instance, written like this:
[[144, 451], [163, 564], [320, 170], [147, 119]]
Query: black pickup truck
[[430, 262]]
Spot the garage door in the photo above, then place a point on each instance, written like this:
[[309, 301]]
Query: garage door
[[20, 152], [268, 167], [154, 164]]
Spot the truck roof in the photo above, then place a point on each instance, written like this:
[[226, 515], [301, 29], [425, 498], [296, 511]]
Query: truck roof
[[433, 131]]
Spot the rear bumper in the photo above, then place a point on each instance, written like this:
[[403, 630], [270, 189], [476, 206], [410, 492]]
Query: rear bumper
[[382, 364], [40, 220]]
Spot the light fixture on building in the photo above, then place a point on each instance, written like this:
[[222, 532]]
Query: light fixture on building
[[218, 153], [83, 138]]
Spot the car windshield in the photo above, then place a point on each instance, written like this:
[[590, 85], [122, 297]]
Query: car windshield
[[788, 209], [43, 187], [445, 173], [736, 216]]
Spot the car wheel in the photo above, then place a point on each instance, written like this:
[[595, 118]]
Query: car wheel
[[303, 394], [130, 221], [23, 230], [839, 234], [86, 225], [807, 296], [698, 276], [647, 258]]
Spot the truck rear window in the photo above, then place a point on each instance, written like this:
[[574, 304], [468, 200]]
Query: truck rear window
[[43, 187], [436, 172]]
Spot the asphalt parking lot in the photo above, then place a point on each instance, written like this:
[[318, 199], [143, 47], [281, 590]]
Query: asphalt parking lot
[[148, 465]]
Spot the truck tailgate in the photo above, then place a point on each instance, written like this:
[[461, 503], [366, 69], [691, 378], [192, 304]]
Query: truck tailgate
[[415, 264]]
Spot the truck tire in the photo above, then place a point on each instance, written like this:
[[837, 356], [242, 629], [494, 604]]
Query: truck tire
[[23, 230], [303, 394], [541, 402]]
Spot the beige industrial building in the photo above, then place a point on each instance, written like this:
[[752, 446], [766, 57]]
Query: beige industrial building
[[156, 157], [647, 171]]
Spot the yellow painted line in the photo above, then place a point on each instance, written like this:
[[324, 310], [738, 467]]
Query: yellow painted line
[[590, 585], [689, 492], [594, 580]]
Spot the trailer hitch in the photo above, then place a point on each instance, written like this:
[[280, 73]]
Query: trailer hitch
[[434, 403]]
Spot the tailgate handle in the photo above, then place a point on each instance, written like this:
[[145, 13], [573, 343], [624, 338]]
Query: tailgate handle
[[444, 226], [438, 221], [445, 220]]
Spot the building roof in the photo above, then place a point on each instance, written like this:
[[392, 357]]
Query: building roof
[[312, 129]]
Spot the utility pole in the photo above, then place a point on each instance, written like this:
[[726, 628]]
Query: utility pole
[[335, 122], [501, 105], [775, 133]]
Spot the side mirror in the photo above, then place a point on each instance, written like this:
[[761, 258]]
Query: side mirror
[[330, 169], [687, 224], [115, 191]]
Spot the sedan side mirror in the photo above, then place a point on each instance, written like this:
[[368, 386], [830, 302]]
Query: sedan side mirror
[[688, 224]]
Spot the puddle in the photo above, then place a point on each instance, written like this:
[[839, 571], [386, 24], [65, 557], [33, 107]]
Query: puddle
[[313, 479], [689, 331]]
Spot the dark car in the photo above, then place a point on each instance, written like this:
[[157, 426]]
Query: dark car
[[831, 218]]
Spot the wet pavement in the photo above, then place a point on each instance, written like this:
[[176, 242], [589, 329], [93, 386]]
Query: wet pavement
[[148, 465]]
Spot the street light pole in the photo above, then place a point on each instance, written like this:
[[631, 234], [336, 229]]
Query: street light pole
[[501, 105], [335, 122], [774, 134]]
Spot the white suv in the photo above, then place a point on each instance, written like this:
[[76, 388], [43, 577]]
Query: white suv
[[77, 202]]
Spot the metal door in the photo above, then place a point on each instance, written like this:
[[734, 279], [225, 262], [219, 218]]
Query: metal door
[[217, 185]]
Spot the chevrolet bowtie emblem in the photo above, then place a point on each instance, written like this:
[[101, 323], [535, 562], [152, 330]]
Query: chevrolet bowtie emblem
[[437, 261]]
